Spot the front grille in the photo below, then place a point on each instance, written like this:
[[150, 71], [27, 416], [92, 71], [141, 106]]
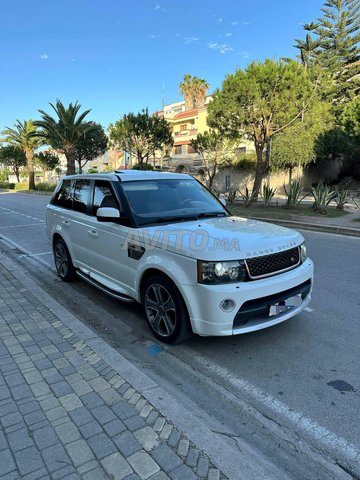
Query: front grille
[[266, 265]]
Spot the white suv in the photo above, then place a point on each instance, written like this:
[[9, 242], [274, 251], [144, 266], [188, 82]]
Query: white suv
[[165, 241]]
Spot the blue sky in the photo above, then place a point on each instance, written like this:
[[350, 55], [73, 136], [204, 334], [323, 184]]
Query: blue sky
[[114, 56]]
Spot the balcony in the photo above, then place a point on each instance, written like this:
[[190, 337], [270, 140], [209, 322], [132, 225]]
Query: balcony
[[186, 133]]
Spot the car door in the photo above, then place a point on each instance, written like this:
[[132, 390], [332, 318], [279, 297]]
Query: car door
[[79, 216], [106, 242]]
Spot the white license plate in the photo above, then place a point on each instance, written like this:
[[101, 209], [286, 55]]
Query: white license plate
[[285, 305]]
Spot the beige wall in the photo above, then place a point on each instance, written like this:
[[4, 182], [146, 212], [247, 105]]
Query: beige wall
[[240, 179]]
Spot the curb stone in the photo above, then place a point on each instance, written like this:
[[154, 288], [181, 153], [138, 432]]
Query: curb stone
[[339, 230]]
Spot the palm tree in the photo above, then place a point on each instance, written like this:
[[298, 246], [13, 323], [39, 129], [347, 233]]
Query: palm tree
[[23, 135], [194, 90], [187, 89], [65, 132], [201, 88]]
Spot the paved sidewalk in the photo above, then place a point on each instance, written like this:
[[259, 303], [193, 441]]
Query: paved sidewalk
[[65, 413]]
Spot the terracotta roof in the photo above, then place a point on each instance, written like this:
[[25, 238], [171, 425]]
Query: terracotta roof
[[182, 142], [189, 113]]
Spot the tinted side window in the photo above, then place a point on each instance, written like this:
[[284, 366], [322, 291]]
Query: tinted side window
[[103, 196], [64, 196], [81, 195]]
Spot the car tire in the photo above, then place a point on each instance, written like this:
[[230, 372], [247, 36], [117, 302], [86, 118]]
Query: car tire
[[165, 310], [63, 262]]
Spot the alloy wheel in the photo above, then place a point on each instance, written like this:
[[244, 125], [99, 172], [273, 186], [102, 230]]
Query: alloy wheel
[[160, 310]]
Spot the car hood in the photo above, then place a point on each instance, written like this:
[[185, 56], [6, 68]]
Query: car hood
[[223, 238]]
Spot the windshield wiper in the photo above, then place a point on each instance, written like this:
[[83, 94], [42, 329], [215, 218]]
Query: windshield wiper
[[211, 214]]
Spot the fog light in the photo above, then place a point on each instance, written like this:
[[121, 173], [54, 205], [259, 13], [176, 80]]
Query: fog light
[[227, 305]]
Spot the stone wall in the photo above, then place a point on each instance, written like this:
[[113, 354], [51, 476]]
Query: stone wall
[[240, 179]]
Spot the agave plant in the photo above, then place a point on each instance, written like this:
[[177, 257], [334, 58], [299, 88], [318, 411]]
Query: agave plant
[[267, 194], [247, 197], [341, 199], [294, 194], [231, 195], [323, 195]]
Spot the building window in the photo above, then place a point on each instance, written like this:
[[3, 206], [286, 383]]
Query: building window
[[191, 149], [178, 150], [183, 127]]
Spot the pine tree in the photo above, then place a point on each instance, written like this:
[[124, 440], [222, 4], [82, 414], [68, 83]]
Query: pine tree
[[334, 44]]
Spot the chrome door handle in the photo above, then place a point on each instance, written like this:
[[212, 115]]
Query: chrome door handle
[[93, 233], [66, 223]]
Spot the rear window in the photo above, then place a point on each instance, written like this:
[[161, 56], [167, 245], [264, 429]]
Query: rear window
[[81, 195], [64, 197]]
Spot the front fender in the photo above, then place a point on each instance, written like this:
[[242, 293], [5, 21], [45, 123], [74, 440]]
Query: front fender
[[181, 270]]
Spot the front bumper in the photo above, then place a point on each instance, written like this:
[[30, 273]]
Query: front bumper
[[207, 318]]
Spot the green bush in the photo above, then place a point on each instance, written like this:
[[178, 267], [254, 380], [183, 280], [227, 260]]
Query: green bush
[[46, 186], [7, 185], [245, 161], [21, 186], [144, 166]]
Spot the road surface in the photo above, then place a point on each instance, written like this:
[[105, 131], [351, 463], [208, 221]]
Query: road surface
[[300, 377]]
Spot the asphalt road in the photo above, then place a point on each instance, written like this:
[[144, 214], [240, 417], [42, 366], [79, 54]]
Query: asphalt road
[[302, 374]]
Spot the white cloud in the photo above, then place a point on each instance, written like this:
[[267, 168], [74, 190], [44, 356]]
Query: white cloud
[[229, 34], [219, 20], [243, 54], [246, 23], [234, 23], [152, 36], [189, 40], [159, 8], [44, 56], [221, 47]]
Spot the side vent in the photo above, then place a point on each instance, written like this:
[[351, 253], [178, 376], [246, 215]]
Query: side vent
[[135, 251]]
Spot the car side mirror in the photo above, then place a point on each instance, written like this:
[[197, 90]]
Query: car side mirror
[[107, 214]]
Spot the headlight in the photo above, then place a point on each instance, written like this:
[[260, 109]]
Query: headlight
[[303, 252], [221, 272]]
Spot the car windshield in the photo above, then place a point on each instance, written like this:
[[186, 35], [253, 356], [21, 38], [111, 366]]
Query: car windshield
[[170, 200]]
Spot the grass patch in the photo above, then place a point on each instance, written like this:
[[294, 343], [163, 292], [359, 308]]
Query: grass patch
[[356, 220], [36, 192], [282, 212]]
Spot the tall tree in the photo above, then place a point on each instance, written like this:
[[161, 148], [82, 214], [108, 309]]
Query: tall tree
[[194, 90], [309, 47], [91, 146], [334, 43], [141, 135], [350, 123], [66, 130], [296, 146], [201, 88], [259, 103], [350, 120], [215, 149], [47, 161], [23, 135], [14, 158]]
